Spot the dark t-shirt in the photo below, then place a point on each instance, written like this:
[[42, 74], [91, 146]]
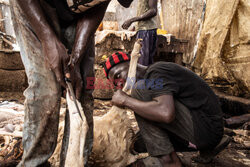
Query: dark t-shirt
[[66, 14], [164, 78], [62, 9]]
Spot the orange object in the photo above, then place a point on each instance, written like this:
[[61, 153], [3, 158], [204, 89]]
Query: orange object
[[100, 27]]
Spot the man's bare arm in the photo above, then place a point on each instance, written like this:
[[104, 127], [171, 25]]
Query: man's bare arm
[[161, 109], [33, 11], [86, 27], [145, 16]]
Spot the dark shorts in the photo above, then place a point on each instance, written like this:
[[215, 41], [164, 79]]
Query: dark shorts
[[162, 139], [149, 47]]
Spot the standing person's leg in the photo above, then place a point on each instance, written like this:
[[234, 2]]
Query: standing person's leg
[[148, 49], [145, 49], [86, 27], [87, 100], [153, 45], [42, 102]]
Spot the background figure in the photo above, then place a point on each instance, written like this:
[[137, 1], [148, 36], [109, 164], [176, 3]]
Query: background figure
[[146, 29]]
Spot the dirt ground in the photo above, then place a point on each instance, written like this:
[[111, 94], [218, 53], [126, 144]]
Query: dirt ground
[[237, 153]]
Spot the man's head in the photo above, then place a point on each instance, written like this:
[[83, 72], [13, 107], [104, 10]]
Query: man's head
[[125, 3], [117, 66], [120, 71]]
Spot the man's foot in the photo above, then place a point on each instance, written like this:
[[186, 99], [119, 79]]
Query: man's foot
[[171, 160], [207, 156], [147, 162]]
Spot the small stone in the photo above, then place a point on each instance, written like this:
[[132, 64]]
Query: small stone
[[247, 144], [19, 128], [9, 128]]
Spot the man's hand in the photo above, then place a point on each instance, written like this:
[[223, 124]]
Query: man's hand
[[58, 58], [127, 24], [76, 80], [56, 55], [152, 12], [119, 98]]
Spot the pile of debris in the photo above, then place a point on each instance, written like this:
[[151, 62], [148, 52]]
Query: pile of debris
[[11, 126]]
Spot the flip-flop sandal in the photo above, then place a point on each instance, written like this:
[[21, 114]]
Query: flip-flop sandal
[[207, 156]]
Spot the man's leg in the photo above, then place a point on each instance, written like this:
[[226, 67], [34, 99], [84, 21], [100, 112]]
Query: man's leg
[[182, 135], [155, 138], [181, 130], [161, 140], [42, 102], [178, 134], [158, 144], [148, 49], [153, 46], [87, 100]]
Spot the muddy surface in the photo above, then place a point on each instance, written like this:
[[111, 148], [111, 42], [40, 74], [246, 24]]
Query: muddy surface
[[235, 155]]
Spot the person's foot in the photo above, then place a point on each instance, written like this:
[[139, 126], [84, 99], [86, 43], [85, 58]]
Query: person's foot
[[171, 160], [147, 162], [207, 156]]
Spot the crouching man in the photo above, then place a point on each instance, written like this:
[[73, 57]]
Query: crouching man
[[175, 109]]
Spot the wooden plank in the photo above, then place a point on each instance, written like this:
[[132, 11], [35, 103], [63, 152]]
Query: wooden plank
[[182, 18]]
